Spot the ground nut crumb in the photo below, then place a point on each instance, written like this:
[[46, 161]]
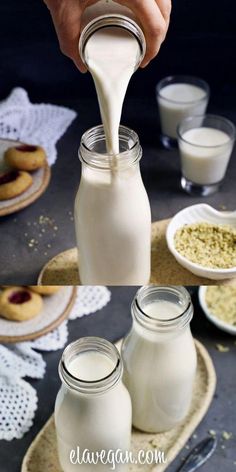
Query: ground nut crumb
[[221, 302], [226, 435], [222, 348], [209, 245]]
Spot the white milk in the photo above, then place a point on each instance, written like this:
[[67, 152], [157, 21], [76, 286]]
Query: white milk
[[162, 310], [176, 102], [112, 55], [205, 165], [159, 371], [91, 366], [92, 421], [113, 228]]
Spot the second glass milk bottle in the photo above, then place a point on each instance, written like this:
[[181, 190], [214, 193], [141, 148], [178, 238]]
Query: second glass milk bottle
[[160, 358], [112, 213]]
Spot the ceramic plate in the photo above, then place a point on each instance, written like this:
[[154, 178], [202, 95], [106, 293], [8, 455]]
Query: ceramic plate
[[41, 178], [56, 308]]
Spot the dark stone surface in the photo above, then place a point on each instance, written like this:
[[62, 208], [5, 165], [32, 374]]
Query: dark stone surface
[[113, 322], [20, 264]]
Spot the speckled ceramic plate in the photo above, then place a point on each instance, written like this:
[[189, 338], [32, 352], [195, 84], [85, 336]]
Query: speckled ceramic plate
[[41, 179], [63, 268], [42, 454], [56, 308]]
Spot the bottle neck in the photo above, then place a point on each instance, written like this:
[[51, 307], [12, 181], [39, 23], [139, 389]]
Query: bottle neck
[[174, 306], [93, 149], [87, 346], [109, 21]]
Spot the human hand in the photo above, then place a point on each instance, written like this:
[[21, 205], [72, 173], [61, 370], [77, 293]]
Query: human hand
[[153, 15], [154, 18]]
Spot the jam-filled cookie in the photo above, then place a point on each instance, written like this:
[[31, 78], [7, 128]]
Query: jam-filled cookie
[[25, 157], [13, 183], [20, 304], [45, 289]]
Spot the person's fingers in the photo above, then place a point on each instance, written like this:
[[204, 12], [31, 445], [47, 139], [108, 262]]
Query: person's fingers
[[153, 23], [153, 16], [66, 15], [165, 9]]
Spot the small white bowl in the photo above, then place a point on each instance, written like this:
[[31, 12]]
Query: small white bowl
[[196, 214], [216, 321]]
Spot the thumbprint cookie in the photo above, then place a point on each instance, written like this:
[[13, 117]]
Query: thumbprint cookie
[[20, 304], [13, 183], [25, 157]]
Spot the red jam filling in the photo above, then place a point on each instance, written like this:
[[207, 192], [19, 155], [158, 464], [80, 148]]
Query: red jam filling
[[9, 177], [26, 148], [19, 297]]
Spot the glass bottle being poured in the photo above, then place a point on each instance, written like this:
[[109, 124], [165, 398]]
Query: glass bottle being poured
[[112, 46]]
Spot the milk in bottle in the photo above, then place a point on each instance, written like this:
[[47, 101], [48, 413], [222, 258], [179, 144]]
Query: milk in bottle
[[159, 358], [93, 407]]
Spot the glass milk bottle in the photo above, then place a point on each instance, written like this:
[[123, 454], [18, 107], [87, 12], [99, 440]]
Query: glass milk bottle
[[93, 407], [107, 13], [159, 358], [112, 212]]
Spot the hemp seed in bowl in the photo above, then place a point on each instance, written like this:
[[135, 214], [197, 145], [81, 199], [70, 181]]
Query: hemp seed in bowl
[[206, 244], [221, 302]]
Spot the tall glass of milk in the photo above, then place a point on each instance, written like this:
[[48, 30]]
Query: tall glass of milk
[[205, 144], [178, 97], [112, 212], [159, 358], [93, 407]]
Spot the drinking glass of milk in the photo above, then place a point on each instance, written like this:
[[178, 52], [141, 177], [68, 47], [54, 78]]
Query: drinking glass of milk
[[205, 144], [112, 212], [93, 407], [159, 358], [178, 97]]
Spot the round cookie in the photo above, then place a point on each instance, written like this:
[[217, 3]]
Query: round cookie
[[25, 157], [20, 304], [13, 183], [45, 289]]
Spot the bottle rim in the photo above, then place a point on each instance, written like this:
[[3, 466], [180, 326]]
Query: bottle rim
[[90, 344], [180, 321], [104, 161], [115, 20]]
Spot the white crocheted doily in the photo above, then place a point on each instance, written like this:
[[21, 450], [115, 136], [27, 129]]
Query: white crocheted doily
[[18, 399], [40, 124]]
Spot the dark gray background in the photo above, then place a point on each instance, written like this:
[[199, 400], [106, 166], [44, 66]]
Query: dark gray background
[[200, 41], [113, 322]]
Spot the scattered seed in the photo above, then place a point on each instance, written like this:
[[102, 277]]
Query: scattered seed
[[222, 348], [226, 435]]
